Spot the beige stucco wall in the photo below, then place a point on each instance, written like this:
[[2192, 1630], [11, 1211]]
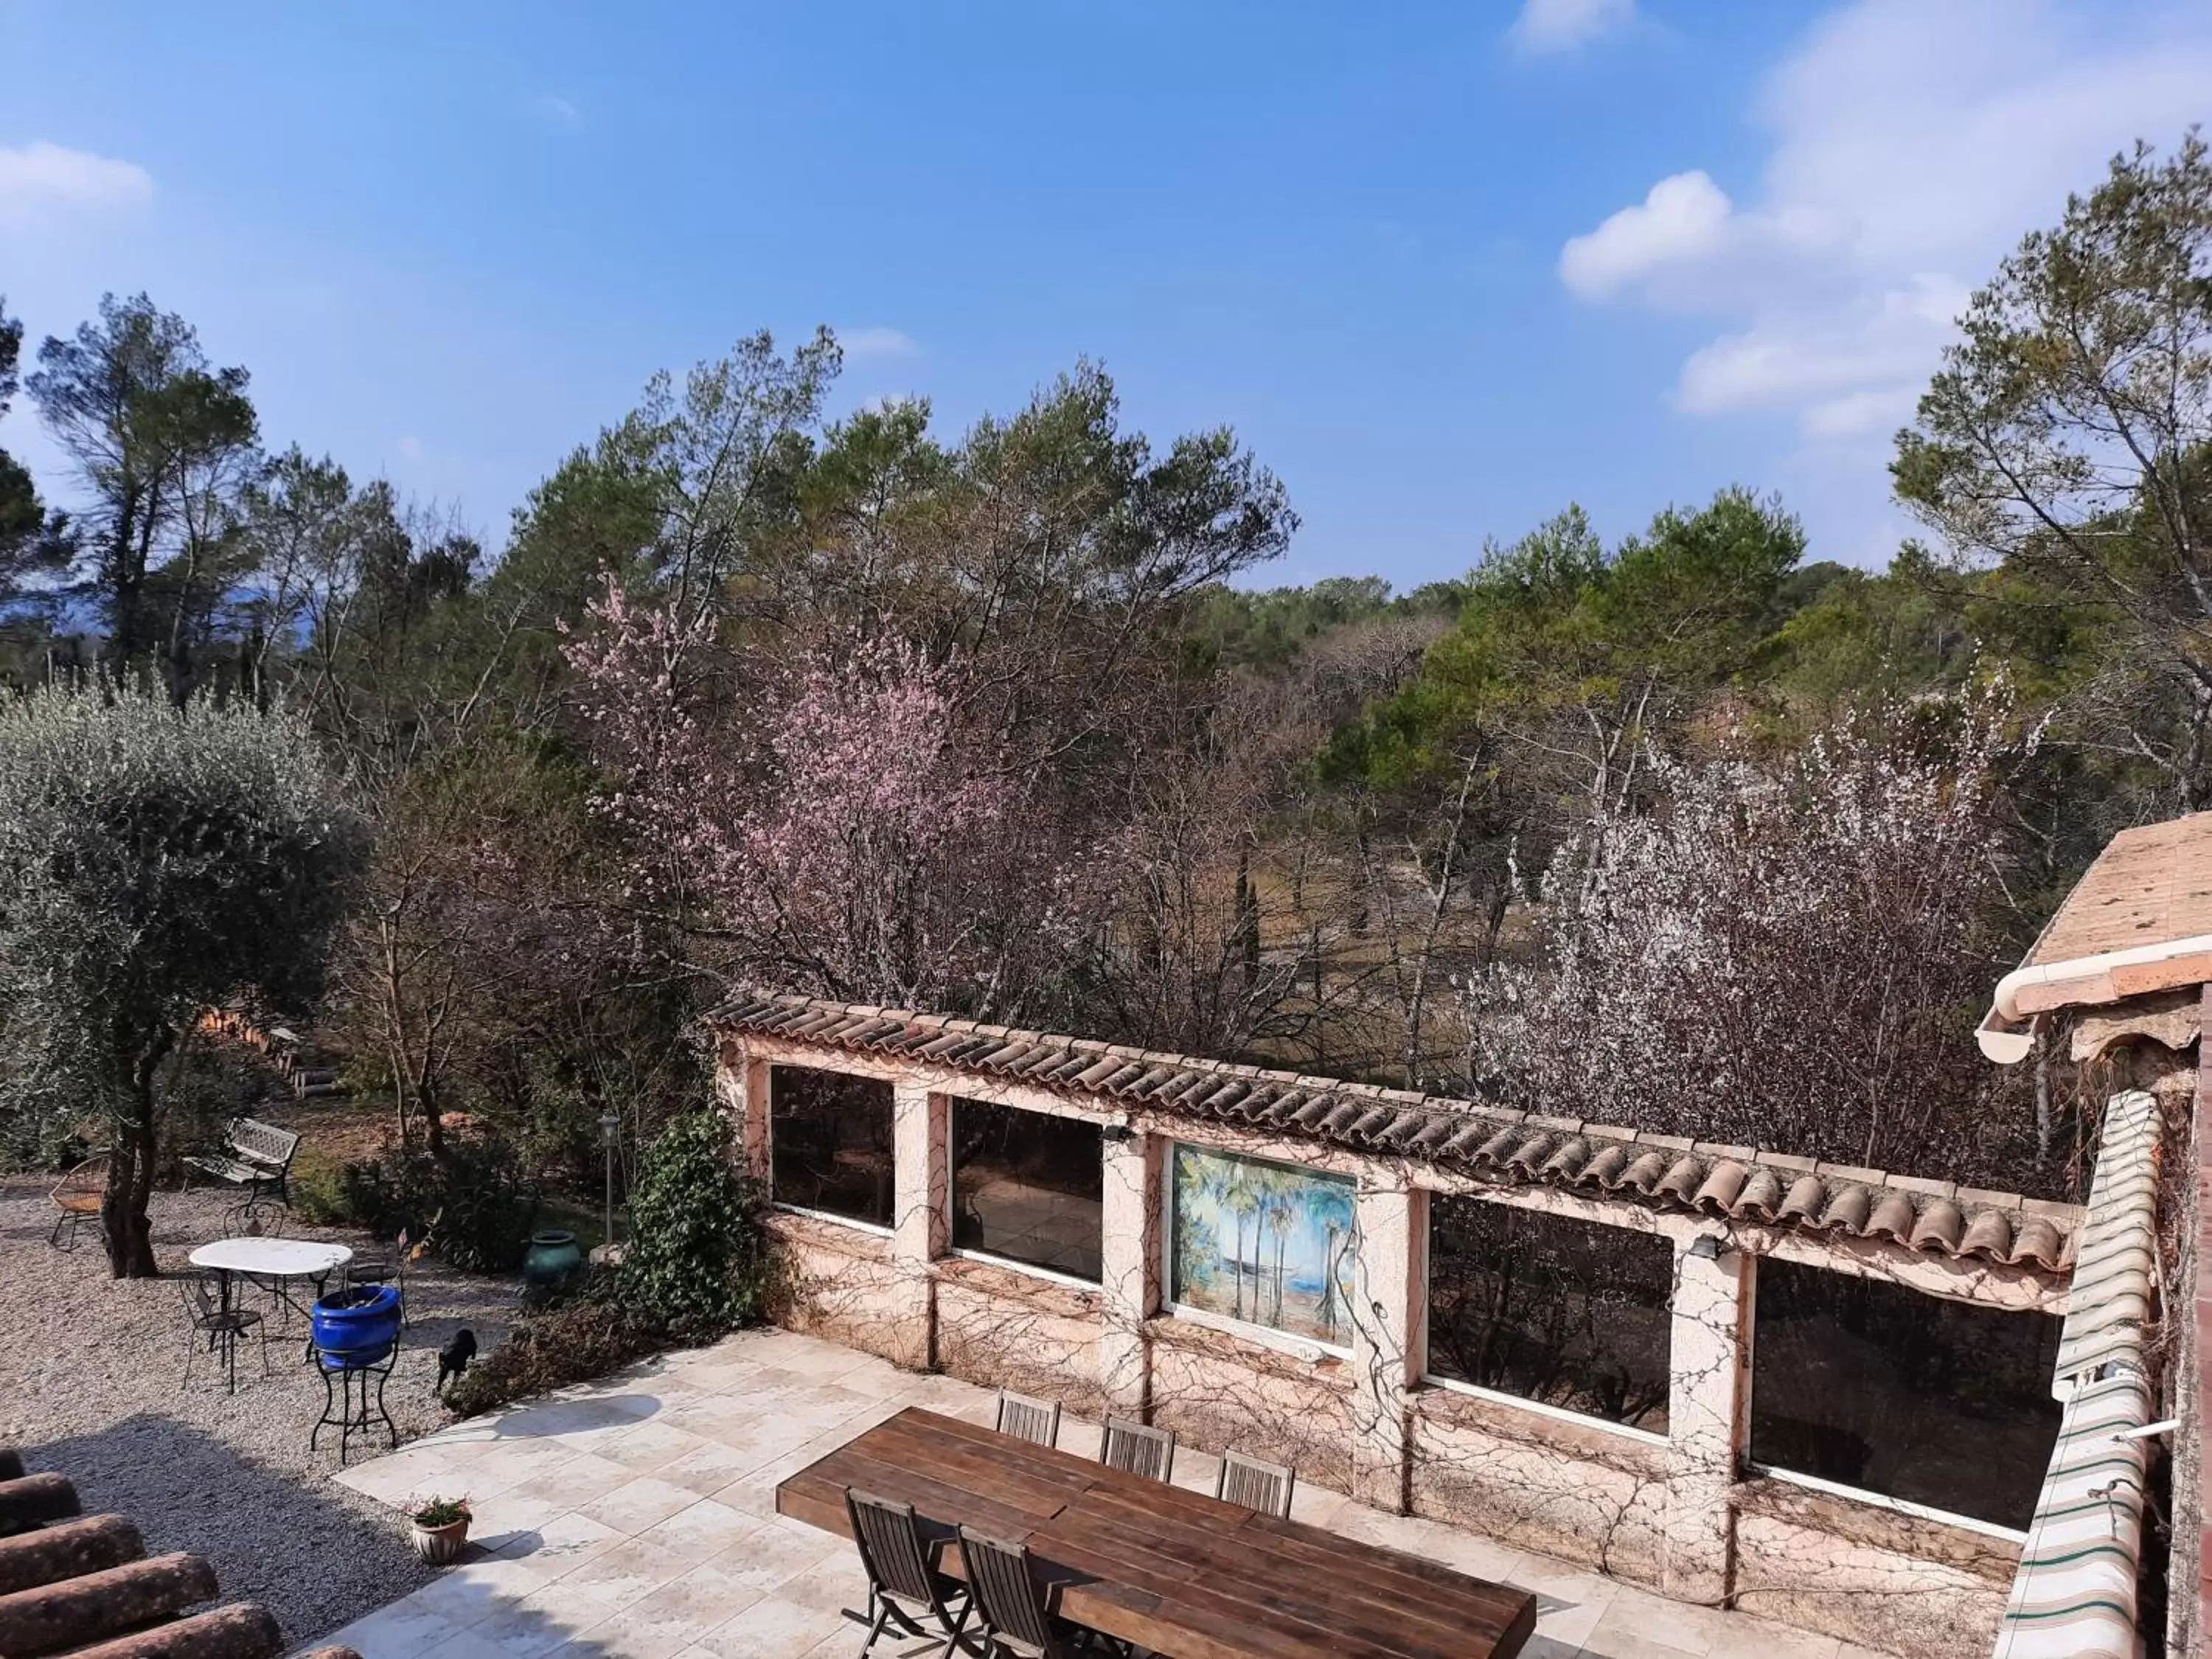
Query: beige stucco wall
[[1010, 1330], [1219, 1392], [1887, 1581], [1582, 1491], [1673, 1511]]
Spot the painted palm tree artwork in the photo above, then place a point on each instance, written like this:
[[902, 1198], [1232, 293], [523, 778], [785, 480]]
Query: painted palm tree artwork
[[1264, 1242]]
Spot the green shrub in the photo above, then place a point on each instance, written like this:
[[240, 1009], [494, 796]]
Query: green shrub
[[580, 1339], [697, 1261], [318, 1184], [486, 1210], [471, 1204]]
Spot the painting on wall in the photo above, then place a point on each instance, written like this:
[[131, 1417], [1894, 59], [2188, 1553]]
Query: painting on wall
[[1266, 1244]]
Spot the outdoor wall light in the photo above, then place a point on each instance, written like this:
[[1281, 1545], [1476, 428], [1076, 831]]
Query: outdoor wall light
[[1705, 1247], [1116, 1133]]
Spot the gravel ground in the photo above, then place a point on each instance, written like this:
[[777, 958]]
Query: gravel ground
[[90, 1371]]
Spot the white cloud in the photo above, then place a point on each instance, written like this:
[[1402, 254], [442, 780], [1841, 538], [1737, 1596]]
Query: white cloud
[[1826, 365], [409, 447], [44, 177], [1680, 219], [1913, 141], [1549, 26], [860, 342], [558, 111]]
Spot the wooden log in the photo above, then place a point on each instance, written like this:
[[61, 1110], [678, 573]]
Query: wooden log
[[244, 1631], [99, 1605], [11, 1463], [31, 1500], [67, 1551]]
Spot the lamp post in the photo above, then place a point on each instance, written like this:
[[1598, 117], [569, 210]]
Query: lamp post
[[610, 1121]]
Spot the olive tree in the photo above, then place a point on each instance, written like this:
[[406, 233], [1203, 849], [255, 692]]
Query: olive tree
[[155, 862]]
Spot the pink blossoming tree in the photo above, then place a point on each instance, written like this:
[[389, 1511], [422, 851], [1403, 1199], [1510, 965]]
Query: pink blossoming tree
[[837, 825]]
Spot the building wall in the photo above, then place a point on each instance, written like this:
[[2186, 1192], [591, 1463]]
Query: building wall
[[1887, 1581], [1677, 1512], [1583, 1489]]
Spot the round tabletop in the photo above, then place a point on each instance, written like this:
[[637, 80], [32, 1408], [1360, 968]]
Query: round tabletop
[[274, 1258]]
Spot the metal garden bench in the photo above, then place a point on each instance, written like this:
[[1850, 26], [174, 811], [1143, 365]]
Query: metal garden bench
[[255, 1155]]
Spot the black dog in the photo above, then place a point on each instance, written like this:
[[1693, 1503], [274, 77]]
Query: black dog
[[453, 1358]]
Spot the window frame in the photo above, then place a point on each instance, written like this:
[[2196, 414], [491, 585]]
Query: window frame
[[1500, 1396], [992, 1258], [1842, 1490], [858, 1223], [1882, 1500], [1311, 1349]]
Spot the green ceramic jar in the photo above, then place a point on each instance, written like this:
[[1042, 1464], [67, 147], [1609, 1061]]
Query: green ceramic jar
[[551, 1261]]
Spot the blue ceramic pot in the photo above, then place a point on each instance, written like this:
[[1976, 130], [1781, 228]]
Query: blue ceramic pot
[[357, 1326], [551, 1260]]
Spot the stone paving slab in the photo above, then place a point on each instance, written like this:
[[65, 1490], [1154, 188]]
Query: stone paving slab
[[635, 1518]]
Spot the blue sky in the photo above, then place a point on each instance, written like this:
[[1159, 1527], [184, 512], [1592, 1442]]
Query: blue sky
[[1444, 267]]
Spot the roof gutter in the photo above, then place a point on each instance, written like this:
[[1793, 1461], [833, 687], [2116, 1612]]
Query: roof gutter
[[2006, 1035]]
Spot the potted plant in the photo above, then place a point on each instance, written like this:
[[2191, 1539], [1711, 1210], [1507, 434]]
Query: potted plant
[[442, 1529]]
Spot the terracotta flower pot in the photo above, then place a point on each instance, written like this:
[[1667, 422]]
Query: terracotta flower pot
[[442, 1546]]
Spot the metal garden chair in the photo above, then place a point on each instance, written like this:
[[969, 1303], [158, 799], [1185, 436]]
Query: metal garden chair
[[1027, 1418], [378, 1266], [1255, 1484], [1136, 1449], [222, 1324], [76, 1197], [1016, 1604], [908, 1598]]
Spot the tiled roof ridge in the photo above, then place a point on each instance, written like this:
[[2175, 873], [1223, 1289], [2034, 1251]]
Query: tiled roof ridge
[[1741, 1183]]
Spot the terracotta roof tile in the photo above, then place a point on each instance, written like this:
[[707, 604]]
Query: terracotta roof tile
[[1723, 1186], [1738, 1183], [1761, 1195], [1941, 1227], [85, 1584], [1892, 1218]]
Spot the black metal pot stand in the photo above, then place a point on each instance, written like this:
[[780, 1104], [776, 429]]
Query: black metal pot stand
[[346, 1396]]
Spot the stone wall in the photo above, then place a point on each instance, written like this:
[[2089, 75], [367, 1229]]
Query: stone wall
[[1679, 1511]]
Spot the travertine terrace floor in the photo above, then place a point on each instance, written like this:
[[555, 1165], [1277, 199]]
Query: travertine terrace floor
[[635, 1519]]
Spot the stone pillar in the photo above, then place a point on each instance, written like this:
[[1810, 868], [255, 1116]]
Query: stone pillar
[[741, 1088], [921, 1213], [1706, 1421], [1130, 1270], [1390, 1286]]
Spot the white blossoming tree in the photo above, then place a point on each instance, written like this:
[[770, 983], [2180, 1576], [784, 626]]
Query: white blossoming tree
[[1791, 955]]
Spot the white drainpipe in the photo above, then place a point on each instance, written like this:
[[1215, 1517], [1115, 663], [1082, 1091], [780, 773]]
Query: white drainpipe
[[2005, 1037]]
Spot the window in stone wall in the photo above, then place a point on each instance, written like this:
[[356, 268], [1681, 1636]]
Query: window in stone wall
[[1867, 1383], [1268, 1244], [830, 1140], [1028, 1186], [1570, 1313]]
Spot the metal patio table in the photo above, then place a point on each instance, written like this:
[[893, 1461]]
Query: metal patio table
[[272, 1263]]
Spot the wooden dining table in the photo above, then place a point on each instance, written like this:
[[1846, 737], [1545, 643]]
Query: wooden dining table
[[1172, 1569]]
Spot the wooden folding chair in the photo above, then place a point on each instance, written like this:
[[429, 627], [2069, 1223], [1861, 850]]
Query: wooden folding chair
[[908, 1598], [1255, 1484], [1019, 1621], [1136, 1449], [1027, 1418]]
